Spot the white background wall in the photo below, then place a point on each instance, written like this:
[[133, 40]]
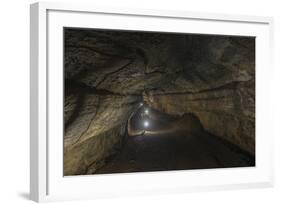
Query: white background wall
[[14, 101]]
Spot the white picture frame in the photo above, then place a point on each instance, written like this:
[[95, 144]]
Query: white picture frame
[[46, 177]]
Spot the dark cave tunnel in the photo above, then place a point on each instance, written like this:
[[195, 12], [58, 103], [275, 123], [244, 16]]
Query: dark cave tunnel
[[156, 141], [138, 101]]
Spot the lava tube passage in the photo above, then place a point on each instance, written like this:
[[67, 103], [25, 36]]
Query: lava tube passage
[[138, 101]]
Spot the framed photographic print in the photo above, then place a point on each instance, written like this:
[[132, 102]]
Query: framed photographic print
[[129, 101]]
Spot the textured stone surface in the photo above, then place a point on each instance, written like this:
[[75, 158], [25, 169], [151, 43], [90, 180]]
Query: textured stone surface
[[96, 132], [218, 86], [107, 74]]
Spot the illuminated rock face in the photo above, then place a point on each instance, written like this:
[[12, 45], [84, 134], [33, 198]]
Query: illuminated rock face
[[107, 74], [218, 86], [96, 132]]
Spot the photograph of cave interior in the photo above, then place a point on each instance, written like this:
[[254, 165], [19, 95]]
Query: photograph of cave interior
[[137, 101]]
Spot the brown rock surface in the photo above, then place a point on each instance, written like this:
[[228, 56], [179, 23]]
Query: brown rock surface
[[107, 73]]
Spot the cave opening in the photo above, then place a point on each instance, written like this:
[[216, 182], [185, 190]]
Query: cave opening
[[148, 101]]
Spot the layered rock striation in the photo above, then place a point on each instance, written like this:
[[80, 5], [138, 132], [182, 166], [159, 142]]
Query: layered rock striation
[[108, 73]]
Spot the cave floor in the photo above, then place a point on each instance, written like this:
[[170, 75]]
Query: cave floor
[[176, 150]]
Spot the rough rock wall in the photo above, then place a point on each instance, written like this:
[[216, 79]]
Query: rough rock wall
[[105, 75], [98, 99], [217, 84], [108, 72], [97, 131]]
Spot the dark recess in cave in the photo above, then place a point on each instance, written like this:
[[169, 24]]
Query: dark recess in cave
[[143, 101]]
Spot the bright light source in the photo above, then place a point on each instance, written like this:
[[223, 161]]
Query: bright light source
[[146, 123], [146, 111], [141, 104]]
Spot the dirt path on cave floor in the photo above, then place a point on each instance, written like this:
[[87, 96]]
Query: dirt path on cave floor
[[175, 150]]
